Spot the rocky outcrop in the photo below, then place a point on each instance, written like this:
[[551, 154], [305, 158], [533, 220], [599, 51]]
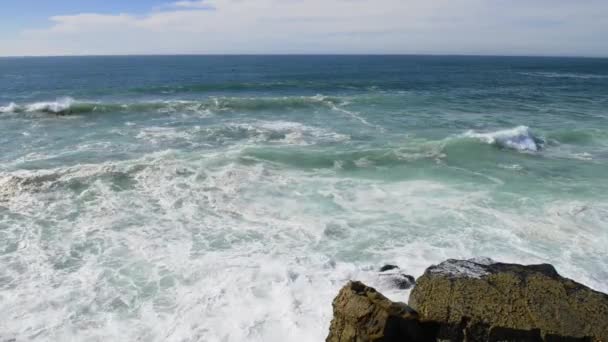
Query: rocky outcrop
[[361, 314], [475, 300], [481, 297], [392, 275]]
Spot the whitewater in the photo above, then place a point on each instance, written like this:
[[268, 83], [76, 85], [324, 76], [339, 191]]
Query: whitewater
[[229, 198]]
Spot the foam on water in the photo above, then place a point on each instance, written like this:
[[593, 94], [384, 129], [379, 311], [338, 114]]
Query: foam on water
[[176, 200], [213, 250], [206, 106], [56, 107], [10, 108], [259, 131], [519, 138]]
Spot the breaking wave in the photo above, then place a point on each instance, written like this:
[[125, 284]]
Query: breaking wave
[[75, 178], [61, 107], [255, 131], [67, 106], [519, 138]]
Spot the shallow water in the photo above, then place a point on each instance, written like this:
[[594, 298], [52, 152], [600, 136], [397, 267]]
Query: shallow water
[[229, 198]]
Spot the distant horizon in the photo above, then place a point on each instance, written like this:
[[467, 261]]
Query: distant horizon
[[308, 54]]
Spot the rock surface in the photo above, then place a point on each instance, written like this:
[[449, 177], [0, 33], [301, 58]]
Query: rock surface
[[480, 298], [388, 268], [362, 314], [392, 275], [475, 300]]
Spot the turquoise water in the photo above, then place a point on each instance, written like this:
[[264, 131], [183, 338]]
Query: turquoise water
[[229, 198]]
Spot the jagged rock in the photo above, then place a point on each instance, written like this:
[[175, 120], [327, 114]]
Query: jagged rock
[[475, 300], [403, 281], [399, 280], [388, 268], [479, 300], [361, 314], [391, 275]]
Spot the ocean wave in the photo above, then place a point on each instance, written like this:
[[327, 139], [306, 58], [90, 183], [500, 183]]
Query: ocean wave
[[75, 178], [271, 103], [63, 106], [260, 86], [10, 108], [60, 106], [293, 133], [564, 75], [249, 132], [519, 138], [369, 158], [455, 149], [578, 137], [67, 106], [193, 223]]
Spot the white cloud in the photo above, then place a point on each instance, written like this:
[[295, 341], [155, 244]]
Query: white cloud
[[198, 4], [330, 26], [192, 4]]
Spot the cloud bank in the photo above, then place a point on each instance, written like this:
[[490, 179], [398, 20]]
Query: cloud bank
[[506, 27]]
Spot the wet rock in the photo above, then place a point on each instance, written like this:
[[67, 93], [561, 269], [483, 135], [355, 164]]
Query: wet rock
[[392, 275], [475, 300], [400, 281], [361, 314], [481, 300], [405, 281], [388, 268]]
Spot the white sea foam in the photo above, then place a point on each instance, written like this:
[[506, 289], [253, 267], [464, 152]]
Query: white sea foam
[[354, 115], [173, 247], [519, 138], [56, 107], [277, 132], [10, 108], [159, 135], [205, 108], [59, 106], [287, 132], [514, 167]]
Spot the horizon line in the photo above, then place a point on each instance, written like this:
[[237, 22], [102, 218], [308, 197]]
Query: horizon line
[[306, 54]]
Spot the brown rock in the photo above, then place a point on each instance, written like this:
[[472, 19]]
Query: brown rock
[[361, 314], [479, 300]]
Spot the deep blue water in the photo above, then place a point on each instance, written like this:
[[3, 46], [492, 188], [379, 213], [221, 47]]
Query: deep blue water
[[149, 197]]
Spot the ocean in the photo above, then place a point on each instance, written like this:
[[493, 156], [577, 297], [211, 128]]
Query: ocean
[[228, 198]]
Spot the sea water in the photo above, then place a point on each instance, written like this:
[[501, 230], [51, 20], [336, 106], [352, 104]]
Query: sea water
[[228, 198]]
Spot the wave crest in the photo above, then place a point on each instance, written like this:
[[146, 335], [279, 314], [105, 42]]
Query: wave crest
[[519, 138], [68, 105], [10, 108], [60, 106]]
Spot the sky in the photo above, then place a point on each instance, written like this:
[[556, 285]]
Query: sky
[[479, 27]]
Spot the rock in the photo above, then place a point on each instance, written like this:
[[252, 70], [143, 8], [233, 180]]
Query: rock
[[361, 314], [388, 268], [474, 300], [480, 300], [391, 275], [403, 281], [399, 280]]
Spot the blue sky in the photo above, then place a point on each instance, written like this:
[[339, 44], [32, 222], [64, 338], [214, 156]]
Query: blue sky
[[18, 14], [504, 27], [55, 7]]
